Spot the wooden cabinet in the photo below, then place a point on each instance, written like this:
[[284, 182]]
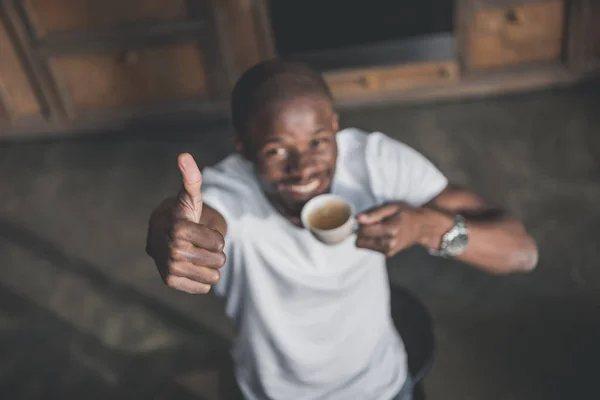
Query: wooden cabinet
[[104, 62], [515, 34], [113, 54], [80, 65], [18, 100]]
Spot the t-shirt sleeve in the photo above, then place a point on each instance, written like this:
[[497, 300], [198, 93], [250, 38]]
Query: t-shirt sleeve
[[397, 172], [216, 193]]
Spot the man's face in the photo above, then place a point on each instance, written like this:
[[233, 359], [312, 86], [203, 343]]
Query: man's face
[[293, 147]]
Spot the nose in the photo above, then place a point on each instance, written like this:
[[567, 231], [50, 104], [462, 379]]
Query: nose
[[301, 166]]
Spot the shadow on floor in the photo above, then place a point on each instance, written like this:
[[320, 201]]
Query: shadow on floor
[[45, 357], [547, 350]]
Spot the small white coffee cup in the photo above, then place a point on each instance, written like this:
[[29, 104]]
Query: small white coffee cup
[[329, 217]]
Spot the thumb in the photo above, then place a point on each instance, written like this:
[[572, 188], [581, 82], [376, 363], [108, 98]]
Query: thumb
[[190, 195], [377, 215]]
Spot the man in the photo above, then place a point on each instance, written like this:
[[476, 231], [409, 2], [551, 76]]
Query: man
[[313, 321]]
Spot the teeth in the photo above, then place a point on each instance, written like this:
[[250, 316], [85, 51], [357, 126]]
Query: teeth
[[309, 187]]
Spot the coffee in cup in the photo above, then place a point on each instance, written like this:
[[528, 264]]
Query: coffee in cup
[[329, 217]]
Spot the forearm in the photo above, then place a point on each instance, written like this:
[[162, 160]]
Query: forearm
[[497, 245]]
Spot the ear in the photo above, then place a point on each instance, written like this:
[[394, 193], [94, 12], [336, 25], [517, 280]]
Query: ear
[[335, 122], [239, 146]]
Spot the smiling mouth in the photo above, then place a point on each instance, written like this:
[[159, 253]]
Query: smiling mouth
[[305, 188]]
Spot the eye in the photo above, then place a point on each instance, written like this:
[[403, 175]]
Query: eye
[[276, 152], [316, 143]]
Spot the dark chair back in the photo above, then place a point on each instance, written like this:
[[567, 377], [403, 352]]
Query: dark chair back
[[415, 325]]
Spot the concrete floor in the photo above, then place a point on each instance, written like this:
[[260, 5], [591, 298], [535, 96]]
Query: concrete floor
[[84, 315]]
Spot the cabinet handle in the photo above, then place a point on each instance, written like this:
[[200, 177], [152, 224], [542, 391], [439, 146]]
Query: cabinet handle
[[130, 57], [513, 16]]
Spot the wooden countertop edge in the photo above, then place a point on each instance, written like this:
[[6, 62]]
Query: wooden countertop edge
[[473, 86]]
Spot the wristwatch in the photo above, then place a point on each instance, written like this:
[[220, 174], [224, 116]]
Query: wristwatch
[[454, 242]]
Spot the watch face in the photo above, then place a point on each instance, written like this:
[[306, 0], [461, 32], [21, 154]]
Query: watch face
[[457, 244]]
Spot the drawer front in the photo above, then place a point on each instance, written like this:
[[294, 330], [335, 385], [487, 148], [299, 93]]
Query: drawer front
[[49, 16], [369, 82], [17, 98], [506, 36], [134, 78]]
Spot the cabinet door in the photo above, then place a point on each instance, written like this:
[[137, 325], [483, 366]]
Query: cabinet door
[[512, 35], [17, 97], [135, 78]]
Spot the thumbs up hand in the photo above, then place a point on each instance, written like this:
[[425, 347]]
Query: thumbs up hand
[[187, 248]]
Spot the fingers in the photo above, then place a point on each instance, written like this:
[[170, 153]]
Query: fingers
[[197, 235], [379, 230], [376, 230], [191, 269], [185, 269], [387, 226], [377, 215], [383, 244], [187, 285], [184, 251], [190, 195], [197, 244]]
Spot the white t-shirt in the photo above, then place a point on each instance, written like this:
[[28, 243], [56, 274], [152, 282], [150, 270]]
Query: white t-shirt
[[313, 321]]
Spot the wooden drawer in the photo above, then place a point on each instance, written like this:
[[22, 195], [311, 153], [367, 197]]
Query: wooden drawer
[[48, 16], [134, 78], [503, 36], [372, 81], [17, 98]]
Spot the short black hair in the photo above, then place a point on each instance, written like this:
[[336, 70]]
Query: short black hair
[[270, 82]]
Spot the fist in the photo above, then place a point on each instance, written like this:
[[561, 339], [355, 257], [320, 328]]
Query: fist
[[390, 228], [187, 253]]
